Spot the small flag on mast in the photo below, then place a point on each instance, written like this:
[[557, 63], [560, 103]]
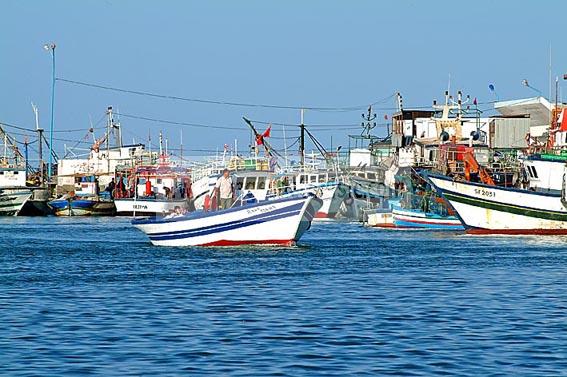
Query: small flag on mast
[[260, 138]]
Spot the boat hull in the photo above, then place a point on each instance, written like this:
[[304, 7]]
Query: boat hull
[[413, 219], [12, 200], [488, 209], [332, 195], [147, 207], [37, 204], [379, 219], [82, 207], [276, 222]]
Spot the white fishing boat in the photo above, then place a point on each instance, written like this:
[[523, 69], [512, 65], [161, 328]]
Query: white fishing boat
[[152, 190], [12, 199], [327, 185], [14, 192], [265, 184], [274, 222], [492, 209]]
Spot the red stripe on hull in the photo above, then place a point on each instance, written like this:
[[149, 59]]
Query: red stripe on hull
[[390, 226], [525, 232], [323, 215], [250, 242]]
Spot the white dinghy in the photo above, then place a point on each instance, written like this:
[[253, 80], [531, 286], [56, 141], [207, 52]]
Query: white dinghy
[[272, 222]]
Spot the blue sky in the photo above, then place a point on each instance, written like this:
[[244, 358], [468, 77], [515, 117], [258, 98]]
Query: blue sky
[[293, 53]]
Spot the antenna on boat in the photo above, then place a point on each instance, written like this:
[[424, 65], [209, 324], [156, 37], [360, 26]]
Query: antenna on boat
[[400, 101], [150, 142], [40, 141], [284, 145], [368, 123], [35, 112], [302, 141], [108, 127], [181, 145]]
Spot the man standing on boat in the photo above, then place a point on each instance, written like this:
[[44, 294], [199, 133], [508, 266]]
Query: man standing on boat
[[225, 190]]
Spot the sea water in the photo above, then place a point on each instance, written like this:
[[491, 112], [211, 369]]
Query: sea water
[[92, 296]]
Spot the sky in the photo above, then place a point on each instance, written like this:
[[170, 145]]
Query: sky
[[331, 54]]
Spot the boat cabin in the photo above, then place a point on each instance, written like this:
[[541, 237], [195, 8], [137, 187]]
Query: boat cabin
[[12, 177]]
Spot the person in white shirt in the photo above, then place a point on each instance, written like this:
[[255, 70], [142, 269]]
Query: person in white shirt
[[225, 189]]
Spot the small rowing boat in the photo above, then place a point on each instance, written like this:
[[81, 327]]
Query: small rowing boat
[[271, 222]]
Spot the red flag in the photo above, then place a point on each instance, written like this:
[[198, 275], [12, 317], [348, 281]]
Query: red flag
[[563, 120], [267, 132], [259, 139]]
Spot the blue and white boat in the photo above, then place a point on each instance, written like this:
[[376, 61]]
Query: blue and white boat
[[76, 206], [272, 222], [85, 201], [418, 219], [426, 211]]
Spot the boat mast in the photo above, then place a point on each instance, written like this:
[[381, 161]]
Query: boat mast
[[302, 142], [40, 140], [181, 145], [5, 148], [108, 125], [284, 146]]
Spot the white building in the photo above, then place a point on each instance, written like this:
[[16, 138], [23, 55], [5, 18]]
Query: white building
[[101, 163]]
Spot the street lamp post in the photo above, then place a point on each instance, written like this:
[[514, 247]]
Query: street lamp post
[[51, 48], [527, 84]]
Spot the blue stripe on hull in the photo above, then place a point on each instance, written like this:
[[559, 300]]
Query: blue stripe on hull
[[410, 224]]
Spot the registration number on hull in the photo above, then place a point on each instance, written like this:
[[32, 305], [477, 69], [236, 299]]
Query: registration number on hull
[[484, 192]]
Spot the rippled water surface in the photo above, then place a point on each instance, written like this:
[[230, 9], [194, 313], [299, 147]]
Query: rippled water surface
[[92, 296]]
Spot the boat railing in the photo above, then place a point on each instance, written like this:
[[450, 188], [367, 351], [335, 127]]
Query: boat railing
[[427, 202]]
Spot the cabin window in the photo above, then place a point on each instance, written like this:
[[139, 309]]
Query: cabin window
[[313, 179], [159, 181], [321, 179], [361, 175], [16, 172], [302, 178], [529, 171], [371, 176], [534, 172], [261, 183], [1, 173], [239, 183], [250, 183]]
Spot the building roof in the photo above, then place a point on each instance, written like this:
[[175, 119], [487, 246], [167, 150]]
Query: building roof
[[538, 108]]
